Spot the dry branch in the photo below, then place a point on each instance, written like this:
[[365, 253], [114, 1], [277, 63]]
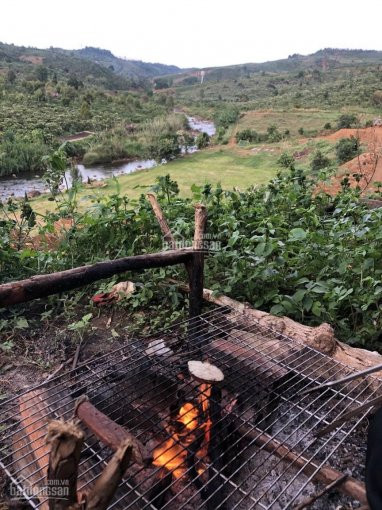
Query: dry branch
[[167, 234]]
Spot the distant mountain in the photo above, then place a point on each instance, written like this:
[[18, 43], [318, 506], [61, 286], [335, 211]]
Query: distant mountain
[[124, 67], [65, 64], [93, 65], [323, 60]]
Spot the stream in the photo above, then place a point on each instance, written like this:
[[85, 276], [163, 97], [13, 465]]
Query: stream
[[34, 184]]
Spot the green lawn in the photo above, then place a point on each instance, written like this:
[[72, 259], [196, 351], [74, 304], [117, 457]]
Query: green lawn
[[224, 165]]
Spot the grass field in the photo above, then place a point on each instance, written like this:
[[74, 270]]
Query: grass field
[[219, 164], [232, 165]]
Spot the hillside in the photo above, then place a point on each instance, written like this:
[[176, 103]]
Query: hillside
[[124, 67], [326, 79], [322, 60], [92, 65]]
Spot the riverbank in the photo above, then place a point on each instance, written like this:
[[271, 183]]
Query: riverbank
[[215, 165], [33, 185]]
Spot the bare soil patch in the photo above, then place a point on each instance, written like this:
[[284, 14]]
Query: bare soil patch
[[368, 165]]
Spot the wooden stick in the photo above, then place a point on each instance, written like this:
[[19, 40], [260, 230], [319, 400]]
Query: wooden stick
[[167, 234], [309, 501], [66, 440], [109, 432], [325, 474], [101, 495], [45, 285]]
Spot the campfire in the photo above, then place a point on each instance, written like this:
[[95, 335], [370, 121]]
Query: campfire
[[191, 425], [248, 441]]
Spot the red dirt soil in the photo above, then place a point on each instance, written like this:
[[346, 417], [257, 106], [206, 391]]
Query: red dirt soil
[[368, 164]]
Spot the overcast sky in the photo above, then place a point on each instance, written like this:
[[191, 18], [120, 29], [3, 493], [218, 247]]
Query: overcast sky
[[197, 33]]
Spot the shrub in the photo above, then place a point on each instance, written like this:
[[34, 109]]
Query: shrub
[[328, 126], [346, 121], [319, 161], [377, 97], [273, 134], [347, 149], [247, 135], [301, 131], [286, 160], [226, 116], [202, 140]]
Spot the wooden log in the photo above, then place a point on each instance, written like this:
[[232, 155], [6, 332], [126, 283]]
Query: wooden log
[[45, 285], [167, 234], [102, 493], [109, 432], [65, 439], [321, 338], [325, 474], [30, 451]]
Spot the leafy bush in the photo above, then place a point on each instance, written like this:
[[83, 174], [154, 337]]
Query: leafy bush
[[226, 116], [247, 135], [328, 126], [347, 149], [319, 161], [286, 160], [202, 140], [273, 134], [347, 120]]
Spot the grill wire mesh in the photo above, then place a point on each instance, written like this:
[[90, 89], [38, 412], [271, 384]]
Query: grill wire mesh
[[265, 373]]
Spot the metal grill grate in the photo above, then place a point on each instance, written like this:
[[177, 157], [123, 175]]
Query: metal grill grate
[[264, 412]]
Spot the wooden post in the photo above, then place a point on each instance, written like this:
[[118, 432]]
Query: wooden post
[[196, 276], [195, 266]]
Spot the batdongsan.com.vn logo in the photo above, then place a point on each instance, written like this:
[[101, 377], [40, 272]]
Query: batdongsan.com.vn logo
[[208, 243], [57, 489]]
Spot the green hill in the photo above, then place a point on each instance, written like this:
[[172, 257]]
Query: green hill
[[326, 79], [124, 67], [24, 61]]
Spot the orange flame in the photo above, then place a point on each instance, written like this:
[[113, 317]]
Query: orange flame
[[172, 453]]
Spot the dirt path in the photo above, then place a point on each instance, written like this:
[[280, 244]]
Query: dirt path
[[77, 136]]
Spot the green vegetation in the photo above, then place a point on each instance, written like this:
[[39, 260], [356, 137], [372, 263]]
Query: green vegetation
[[319, 161], [285, 247], [347, 120], [347, 149], [270, 240]]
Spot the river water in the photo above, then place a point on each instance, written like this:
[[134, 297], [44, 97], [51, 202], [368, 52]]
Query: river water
[[25, 183]]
